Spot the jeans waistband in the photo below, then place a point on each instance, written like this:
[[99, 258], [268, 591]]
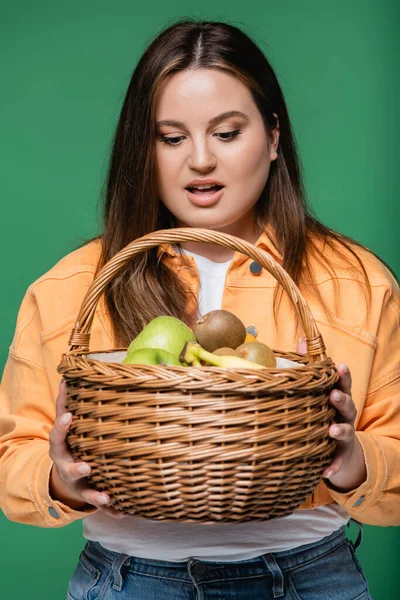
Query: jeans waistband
[[202, 570]]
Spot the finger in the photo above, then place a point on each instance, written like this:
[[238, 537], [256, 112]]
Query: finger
[[58, 445], [344, 405], [61, 399], [100, 500], [302, 346], [77, 470], [95, 497], [334, 467], [343, 432], [344, 382]]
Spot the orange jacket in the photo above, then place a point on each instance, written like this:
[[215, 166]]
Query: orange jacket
[[368, 345]]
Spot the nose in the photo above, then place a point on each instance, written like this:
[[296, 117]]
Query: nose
[[201, 157]]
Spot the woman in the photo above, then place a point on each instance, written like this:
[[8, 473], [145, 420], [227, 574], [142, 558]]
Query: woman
[[204, 140]]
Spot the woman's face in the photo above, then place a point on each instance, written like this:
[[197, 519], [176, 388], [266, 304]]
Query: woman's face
[[210, 133]]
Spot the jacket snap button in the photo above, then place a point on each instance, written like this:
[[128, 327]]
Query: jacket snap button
[[252, 330], [199, 568], [53, 513], [255, 268], [359, 501]]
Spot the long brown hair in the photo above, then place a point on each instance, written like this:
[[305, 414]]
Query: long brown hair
[[147, 288]]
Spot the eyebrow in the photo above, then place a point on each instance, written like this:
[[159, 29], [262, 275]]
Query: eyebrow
[[213, 121]]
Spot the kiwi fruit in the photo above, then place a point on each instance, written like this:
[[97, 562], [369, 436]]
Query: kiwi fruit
[[225, 352], [258, 353], [219, 329]]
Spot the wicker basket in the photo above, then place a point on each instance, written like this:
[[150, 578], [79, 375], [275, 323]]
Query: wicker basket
[[200, 444]]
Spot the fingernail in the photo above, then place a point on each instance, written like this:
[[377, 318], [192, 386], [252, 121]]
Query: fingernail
[[66, 419], [336, 396], [102, 499], [329, 473], [335, 429], [345, 368], [83, 469]]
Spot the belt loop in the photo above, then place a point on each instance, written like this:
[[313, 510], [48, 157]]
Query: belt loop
[[360, 534], [278, 588], [116, 571]]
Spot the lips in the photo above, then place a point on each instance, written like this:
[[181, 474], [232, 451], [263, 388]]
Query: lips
[[205, 197], [204, 182], [204, 189]]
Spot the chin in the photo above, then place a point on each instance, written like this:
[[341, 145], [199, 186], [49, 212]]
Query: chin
[[206, 221], [206, 224]]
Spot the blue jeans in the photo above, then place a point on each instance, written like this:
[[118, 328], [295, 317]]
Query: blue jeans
[[326, 570]]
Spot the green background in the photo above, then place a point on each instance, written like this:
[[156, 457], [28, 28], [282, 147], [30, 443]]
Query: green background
[[65, 69]]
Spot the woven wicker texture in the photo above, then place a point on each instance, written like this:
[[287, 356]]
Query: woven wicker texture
[[200, 444]]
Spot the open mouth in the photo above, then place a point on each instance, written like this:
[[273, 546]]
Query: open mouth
[[204, 189], [205, 195]]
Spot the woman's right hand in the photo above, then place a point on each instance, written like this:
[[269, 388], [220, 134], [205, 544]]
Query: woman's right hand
[[68, 482]]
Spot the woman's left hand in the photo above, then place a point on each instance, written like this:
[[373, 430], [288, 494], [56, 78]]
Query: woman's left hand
[[347, 470]]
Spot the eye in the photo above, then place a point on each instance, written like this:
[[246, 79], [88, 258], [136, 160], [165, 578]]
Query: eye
[[172, 141], [227, 136]]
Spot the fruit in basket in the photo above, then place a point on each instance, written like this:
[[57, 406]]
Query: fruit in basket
[[193, 353], [225, 352], [166, 333], [249, 338], [219, 328], [258, 353], [151, 356]]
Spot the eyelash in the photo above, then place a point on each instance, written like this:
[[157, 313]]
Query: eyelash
[[232, 134]]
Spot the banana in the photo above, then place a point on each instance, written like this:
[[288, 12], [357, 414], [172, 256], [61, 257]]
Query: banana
[[192, 353]]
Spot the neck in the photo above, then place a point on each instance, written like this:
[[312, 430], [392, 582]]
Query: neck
[[245, 231]]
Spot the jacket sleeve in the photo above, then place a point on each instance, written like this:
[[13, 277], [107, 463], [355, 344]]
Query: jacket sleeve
[[377, 500], [27, 412]]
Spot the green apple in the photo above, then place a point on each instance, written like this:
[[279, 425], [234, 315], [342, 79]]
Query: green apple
[[150, 356], [165, 333]]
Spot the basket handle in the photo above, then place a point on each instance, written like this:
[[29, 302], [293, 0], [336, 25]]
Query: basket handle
[[80, 336]]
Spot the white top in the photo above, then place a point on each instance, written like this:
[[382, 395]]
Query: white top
[[170, 541], [212, 283]]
